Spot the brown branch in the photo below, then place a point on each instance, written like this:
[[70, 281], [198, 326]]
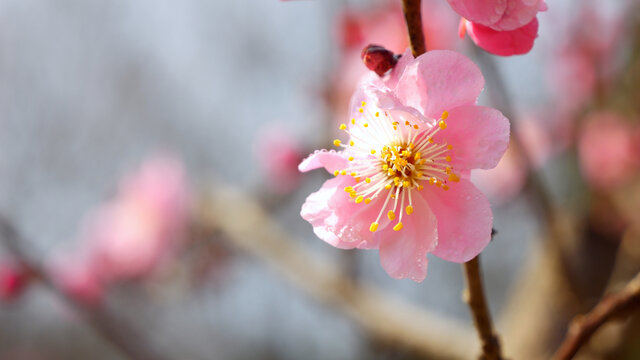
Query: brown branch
[[116, 332], [474, 296], [413, 18], [610, 307], [250, 229]]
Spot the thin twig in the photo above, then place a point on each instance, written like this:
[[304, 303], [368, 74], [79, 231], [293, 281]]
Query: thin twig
[[474, 296], [610, 307], [116, 332], [250, 229], [413, 18]]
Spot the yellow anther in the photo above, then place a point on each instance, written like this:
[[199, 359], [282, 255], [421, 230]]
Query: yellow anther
[[388, 186], [385, 167], [365, 125], [373, 227], [393, 196], [359, 199], [430, 140], [351, 143], [438, 183], [454, 177], [367, 180], [449, 147], [419, 174], [407, 123], [377, 113], [395, 127], [353, 173], [343, 126], [353, 121], [358, 179], [405, 184], [448, 158], [409, 210], [420, 187], [391, 215], [348, 189], [416, 127], [361, 110], [411, 145], [343, 172], [447, 170], [445, 187], [373, 151], [350, 158], [417, 156], [445, 115], [442, 124], [336, 173], [433, 181], [337, 142], [353, 195], [367, 200], [364, 103], [398, 227], [395, 123]]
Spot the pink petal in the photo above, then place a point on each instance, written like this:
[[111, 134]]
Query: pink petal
[[479, 136], [464, 220], [329, 159], [501, 15], [338, 220], [440, 80], [403, 254], [504, 43]]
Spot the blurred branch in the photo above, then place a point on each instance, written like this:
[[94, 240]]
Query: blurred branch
[[116, 332], [475, 297], [250, 229], [413, 18], [611, 306]]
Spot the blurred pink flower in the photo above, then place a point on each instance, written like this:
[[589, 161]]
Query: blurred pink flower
[[501, 27], [279, 155], [608, 155], [507, 179], [129, 236], [402, 179], [13, 280]]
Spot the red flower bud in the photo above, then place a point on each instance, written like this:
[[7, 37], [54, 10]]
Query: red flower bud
[[378, 59]]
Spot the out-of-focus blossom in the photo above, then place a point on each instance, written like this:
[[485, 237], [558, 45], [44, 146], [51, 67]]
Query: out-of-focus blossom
[[501, 27], [13, 280], [78, 279], [507, 179], [584, 58], [383, 25], [608, 155], [402, 179], [129, 236], [279, 154]]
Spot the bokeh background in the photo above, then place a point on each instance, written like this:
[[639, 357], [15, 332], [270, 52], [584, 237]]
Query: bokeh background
[[90, 90]]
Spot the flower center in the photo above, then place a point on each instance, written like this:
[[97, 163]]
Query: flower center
[[393, 160]]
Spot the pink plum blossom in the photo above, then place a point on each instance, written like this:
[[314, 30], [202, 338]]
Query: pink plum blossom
[[501, 27], [402, 177], [608, 154], [279, 155]]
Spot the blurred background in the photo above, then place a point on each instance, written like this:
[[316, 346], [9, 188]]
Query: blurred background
[[142, 141]]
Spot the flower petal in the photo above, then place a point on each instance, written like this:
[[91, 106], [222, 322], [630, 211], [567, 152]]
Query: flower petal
[[338, 220], [329, 159], [440, 80], [479, 136], [485, 12], [464, 221], [403, 254], [505, 43]]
